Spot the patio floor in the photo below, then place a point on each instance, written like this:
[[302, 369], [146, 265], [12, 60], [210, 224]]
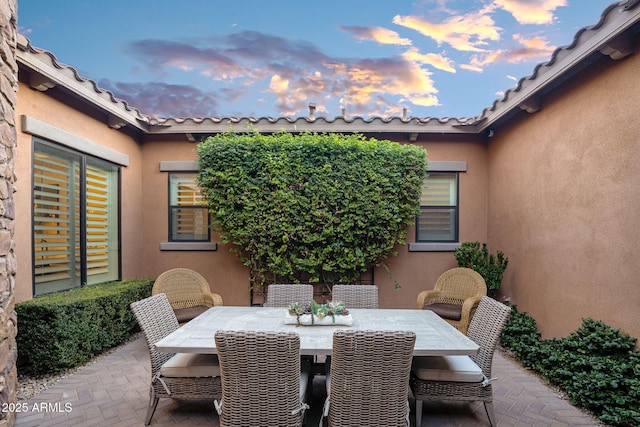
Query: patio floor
[[113, 391]]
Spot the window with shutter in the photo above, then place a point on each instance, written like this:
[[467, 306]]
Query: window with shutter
[[438, 220], [75, 220], [101, 222], [188, 213]]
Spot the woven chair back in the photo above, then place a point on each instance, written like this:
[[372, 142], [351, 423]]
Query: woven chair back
[[184, 287], [485, 329], [281, 295], [370, 378], [460, 283], [356, 296], [156, 320], [260, 378]]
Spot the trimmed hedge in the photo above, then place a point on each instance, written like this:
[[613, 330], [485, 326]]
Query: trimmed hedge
[[597, 365], [316, 208], [63, 330]]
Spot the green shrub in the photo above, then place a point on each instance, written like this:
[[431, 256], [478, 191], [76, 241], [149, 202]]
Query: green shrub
[[62, 330], [597, 366], [490, 267], [319, 208], [521, 335]]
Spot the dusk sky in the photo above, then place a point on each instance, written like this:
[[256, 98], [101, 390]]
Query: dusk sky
[[199, 58]]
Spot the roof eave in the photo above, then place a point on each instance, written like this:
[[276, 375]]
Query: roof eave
[[412, 126], [611, 36], [49, 73]]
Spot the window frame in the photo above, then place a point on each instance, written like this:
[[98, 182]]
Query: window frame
[[453, 166], [183, 166], [455, 208], [170, 231], [81, 253]]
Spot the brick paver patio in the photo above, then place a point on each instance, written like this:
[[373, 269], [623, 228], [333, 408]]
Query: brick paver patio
[[113, 391]]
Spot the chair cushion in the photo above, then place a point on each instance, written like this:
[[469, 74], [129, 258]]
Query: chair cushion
[[446, 311], [191, 365], [304, 383], [446, 368], [186, 314]]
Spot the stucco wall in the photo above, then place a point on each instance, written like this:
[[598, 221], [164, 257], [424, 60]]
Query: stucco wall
[[564, 198], [46, 109], [223, 270], [417, 271], [414, 271]]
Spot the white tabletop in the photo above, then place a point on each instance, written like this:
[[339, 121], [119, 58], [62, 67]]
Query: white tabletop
[[434, 336]]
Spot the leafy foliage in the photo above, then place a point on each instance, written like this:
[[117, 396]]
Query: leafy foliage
[[597, 366], [490, 267], [62, 330], [521, 335], [310, 207]]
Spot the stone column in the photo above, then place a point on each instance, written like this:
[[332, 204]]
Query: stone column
[[8, 140]]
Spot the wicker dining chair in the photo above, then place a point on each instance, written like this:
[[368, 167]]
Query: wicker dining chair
[[178, 376], [188, 292], [262, 380], [463, 378], [455, 297], [356, 296], [368, 382], [281, 295]]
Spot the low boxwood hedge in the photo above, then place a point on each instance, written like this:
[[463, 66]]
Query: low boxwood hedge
[[597, 365], [62, 330]]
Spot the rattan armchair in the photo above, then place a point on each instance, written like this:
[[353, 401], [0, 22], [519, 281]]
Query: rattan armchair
[[356, 296], [178, 376], [262, 380], [463, 378], [281, 295], [187, 291], [455, 296], [368, 384]]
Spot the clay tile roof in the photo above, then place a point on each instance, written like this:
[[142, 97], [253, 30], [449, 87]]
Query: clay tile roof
[[57, 73]]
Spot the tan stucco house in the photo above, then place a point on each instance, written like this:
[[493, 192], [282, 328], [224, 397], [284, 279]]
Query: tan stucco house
[[549, 174]]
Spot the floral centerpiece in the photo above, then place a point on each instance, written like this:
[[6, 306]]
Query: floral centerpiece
[[312, 313]]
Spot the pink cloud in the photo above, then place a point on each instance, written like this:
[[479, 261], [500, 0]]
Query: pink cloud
[[165, 100], [436, 60], [470, 32], [531, 12], [293, 72], [377, 34], [531, 48]]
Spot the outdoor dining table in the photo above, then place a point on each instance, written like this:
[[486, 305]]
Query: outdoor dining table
[[434, 336]]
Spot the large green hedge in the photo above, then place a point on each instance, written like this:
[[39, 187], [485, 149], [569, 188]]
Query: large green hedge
[[311, 207], [62, 330]]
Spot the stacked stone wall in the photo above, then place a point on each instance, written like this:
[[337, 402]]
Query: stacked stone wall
[[8, 139]]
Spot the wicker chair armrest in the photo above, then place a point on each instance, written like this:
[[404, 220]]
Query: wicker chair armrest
[[426, 297], [213, 300]]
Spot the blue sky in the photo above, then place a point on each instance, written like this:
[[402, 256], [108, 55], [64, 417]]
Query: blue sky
[[258, 58]]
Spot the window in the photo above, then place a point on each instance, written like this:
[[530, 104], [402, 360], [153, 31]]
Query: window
[[75, 219], [188, 213], [438, 220]]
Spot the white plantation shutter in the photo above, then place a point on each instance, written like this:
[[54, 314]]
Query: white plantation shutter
[[101, 226], [185, 190], [439, 190], [438, 216], [55, 220], [189, 216]]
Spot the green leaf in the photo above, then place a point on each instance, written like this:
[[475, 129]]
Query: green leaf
[[310, 206]]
